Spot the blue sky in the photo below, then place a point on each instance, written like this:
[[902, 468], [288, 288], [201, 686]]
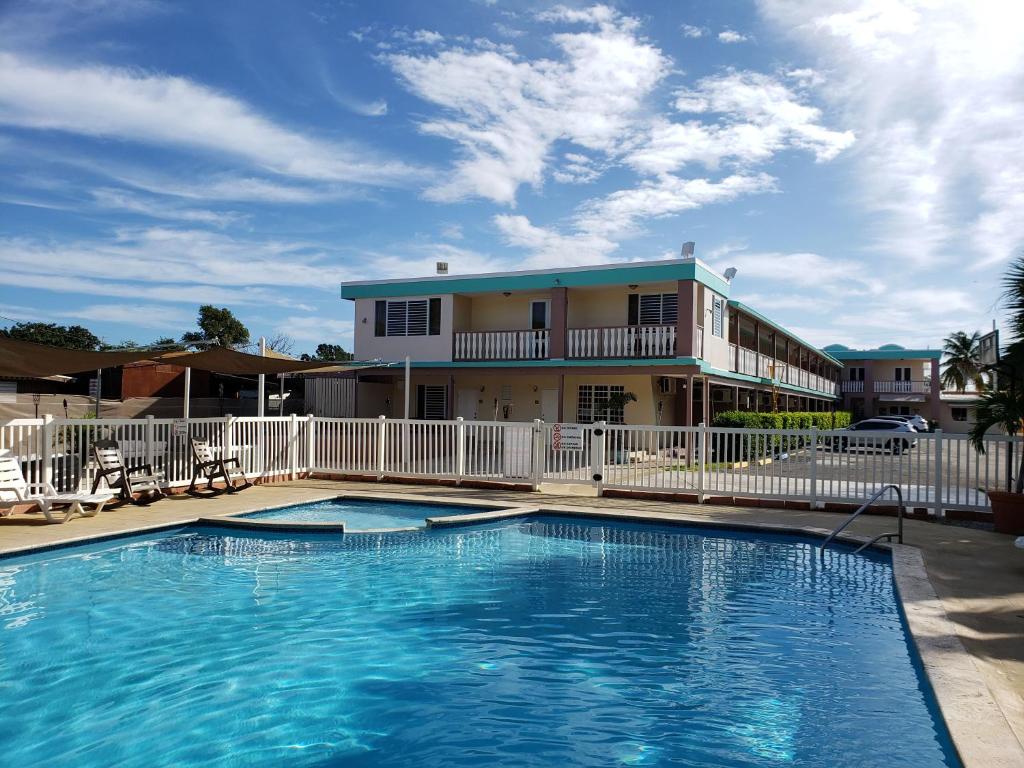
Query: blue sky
[[860, 162]]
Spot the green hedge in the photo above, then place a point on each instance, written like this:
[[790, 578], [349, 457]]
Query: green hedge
[[746, 447], [791, 420]]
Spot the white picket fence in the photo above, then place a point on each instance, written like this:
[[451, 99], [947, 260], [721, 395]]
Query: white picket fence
[[940, 471]]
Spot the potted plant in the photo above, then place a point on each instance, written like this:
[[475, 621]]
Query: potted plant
[[1003, 408]]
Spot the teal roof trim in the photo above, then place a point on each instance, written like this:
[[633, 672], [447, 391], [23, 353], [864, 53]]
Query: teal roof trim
[[622, 274], [888, 354], [771, 323]]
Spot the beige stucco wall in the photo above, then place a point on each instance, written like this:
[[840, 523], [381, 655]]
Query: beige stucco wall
[[394, 348], [603, 307], [495, 312], [716, 350], [526, 396]]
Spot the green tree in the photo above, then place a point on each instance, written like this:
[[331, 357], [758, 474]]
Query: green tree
[[219, 326], [1003, 406], [963, 364], [330, 352], [66, 336]]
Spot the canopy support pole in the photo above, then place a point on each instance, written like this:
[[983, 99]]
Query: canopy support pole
[[280, 393], [188, 392], [99, 389], [261, 395]]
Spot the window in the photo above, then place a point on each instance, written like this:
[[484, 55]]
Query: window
[[539, 315], [432, 401], [856, 374], [653, 308], [418, 317], [591, 400], [959, 414], [717, 311]]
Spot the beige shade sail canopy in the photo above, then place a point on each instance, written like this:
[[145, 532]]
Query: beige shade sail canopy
[[224, 360], [28, 360]]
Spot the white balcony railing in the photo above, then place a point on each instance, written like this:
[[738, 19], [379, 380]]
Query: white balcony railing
[[751, 363], [622, 341], [502, 345], [853, 386], [902, 387]]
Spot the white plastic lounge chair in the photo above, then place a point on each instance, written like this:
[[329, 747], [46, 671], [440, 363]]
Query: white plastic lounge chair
[[126, 480], [15, 490], [208, 467]]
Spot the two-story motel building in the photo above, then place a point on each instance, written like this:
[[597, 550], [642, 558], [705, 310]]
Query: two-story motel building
[[890, 381], [554, 344]]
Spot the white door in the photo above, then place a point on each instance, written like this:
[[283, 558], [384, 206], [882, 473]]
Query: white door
[[549, 405], [465, 404]]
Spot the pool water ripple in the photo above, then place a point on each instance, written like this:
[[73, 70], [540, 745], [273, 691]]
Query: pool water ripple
[[525, 643]]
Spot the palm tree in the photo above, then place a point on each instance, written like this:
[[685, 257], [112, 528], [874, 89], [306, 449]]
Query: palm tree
[[963, 364], [1002, 408]]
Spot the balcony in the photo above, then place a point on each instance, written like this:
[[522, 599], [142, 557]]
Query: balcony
[[902, 387], [852, 386], [628, 341], [752, 363], [501, 345]]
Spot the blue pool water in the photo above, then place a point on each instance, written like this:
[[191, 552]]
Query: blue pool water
[[364, 514], [544, 642]]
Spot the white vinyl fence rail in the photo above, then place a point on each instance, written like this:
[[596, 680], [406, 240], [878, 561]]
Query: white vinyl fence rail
[[936, 471]]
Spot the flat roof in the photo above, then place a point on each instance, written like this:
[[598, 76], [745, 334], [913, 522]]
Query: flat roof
[[772, 324], [622, 273], [886, 354]]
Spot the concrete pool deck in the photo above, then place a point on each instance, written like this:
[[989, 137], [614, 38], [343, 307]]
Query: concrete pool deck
[[978, 578]]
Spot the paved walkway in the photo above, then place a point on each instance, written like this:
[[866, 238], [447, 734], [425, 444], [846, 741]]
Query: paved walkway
[[978, 575]]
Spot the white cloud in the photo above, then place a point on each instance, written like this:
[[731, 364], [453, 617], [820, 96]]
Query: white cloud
[[164, 255], [176, 112], [691, 31], [731, 36], [621, 213], [549, 247], [317, 328], [427, 37], [759, 116], [126, 201], [934, 93], [506, 113], [452, 232]]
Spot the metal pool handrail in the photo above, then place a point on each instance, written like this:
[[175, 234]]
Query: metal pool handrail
[[898, 534]]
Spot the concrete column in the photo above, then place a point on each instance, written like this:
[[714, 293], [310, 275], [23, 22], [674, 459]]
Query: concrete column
[[689, 402], [559, 323], [935, 406], [451, 396], [869, 389], [561, 397], [687, 322]]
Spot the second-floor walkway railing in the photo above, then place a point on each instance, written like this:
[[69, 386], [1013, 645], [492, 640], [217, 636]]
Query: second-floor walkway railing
[[502, 345], [902, 387], [753, 363], [622, 341]]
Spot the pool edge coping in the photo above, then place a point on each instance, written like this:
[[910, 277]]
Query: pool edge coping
[[981, 734]]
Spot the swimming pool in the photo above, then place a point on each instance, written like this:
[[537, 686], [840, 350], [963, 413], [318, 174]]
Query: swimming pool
[[532, 642], [365, 514]]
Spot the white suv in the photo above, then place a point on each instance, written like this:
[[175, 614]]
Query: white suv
[[918, 422]]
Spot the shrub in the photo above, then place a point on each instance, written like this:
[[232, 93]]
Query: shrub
[[790, 420], [745, 447]]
